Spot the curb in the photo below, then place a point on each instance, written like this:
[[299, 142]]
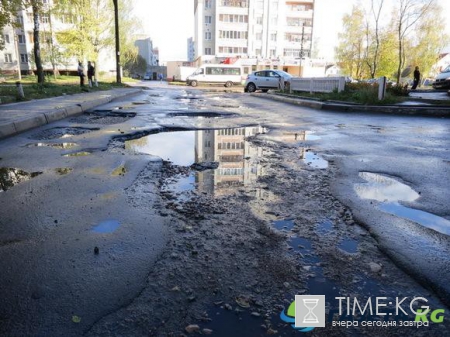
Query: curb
[[426, 111], [21, 125]]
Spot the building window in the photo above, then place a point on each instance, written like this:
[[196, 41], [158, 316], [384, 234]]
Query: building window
[[6, 38], [274, 21], [259, 20], [24, 58], [233, 18], [259, 36], [8, 58], [208, 4], [45, 18], [260, 4], [258, 52], [208, 35], [21, 38], [234, 3], [272, 53], [231, 34], [233, 50], [273, 37], [208, 51], [19, 19], [31, 37], [208, 19]]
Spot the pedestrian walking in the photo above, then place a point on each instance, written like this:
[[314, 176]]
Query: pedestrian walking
[[90, 73], [81, 73], [416, 79], [160, 76]]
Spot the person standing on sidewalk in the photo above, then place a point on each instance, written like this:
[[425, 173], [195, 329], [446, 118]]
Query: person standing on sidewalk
[[416, 79], [81, 74], [90, 73]]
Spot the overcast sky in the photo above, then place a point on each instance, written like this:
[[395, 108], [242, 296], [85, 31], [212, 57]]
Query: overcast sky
[[171, 22]]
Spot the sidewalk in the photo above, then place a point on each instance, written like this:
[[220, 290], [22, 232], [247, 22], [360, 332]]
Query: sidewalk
[[414, 107], [19, 117]]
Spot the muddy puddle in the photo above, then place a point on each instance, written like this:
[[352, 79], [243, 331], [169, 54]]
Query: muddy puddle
[[10, 177], [230, 160], [390, 192]]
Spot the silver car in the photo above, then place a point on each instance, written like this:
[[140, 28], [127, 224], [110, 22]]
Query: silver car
[[267, 79]]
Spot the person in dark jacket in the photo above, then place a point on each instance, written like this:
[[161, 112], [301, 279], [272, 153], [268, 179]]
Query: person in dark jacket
[[416, 79], [81, 73], [90, 73]]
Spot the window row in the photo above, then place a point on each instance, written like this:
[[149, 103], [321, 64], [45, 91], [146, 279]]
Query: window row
[[297, 37], [233, 50], [233, 34], [233, 18], [23, 58], [296, 52], [231, 171], [222, 71], [231, 132], [299, 22], [234, 3], [230, 146]]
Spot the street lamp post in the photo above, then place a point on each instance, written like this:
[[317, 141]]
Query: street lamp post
[[300, 71], [116, 23]]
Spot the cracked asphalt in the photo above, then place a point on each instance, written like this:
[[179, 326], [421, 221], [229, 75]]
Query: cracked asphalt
[[107, 229]]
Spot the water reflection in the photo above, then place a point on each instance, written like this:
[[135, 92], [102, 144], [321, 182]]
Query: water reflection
[[10, 177], [389, 192], [384, 189], [238, 160]]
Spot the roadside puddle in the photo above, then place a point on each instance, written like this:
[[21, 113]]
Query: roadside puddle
[[314, 160], [389, 192], [9, 177], [107, 226]]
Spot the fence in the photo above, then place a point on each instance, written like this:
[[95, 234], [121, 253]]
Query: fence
[[317, 84]]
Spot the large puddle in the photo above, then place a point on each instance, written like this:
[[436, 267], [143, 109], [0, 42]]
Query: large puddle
[[237, 161], [390, 192], [10, 177]]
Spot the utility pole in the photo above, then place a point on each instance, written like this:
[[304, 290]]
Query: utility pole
[[300, 70], [116, 23]]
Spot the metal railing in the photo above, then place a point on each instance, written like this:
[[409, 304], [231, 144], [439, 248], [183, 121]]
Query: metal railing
[[317, 84]]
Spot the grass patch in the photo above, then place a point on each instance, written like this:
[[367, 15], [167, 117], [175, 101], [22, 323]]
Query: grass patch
[[63, 85]]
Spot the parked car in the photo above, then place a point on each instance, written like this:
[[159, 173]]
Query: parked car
[[266, 79], [443, 79]]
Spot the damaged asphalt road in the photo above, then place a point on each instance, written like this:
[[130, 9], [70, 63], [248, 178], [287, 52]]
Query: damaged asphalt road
[[109, 230]]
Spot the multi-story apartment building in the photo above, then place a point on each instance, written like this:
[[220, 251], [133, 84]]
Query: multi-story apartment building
[[19, 44], [262, 29], [190, 49], [146, 50]]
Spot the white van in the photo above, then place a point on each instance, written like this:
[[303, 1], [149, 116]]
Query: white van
[[216, 74], [443, 79]]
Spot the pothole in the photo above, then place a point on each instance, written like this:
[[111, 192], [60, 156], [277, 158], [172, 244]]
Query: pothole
[[63, 170], [77, 154], [9, 177], [349, 246], [389, 192], [62, 132], [205, 114], [285, 225]]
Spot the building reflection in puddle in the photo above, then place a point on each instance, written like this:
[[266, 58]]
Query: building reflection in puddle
[[239, 161]]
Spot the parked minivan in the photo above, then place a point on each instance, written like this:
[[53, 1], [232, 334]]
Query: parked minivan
[[216, 74], [443, 79]]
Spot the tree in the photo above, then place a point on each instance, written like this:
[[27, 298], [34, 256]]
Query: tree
[[373, 47], [8, 13], [135, 64], [409, 12], [429, 39], [350, 51]]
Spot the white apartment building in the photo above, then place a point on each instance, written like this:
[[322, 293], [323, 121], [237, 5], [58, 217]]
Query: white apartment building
[[262, 29], [20, 43], [190, 49]]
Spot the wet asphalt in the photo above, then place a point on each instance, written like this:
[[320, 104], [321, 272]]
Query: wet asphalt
[[81, 223]]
